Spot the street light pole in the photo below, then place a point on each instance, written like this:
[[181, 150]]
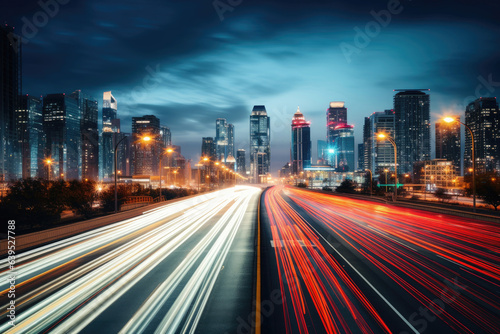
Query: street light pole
[[168, 151], [386, 171], [116, 162], [371, 181], [449, 120], [391, 140], [473, 167]]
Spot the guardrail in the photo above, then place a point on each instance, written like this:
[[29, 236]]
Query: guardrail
[[138, 199]]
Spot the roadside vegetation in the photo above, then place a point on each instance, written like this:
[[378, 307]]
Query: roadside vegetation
[[37, 204]]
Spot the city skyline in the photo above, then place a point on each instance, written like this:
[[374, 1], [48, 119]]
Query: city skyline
[[168, 82], [231, 166]]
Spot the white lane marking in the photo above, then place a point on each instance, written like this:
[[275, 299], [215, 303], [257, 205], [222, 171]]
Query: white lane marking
[[455, 263], [299, 243]]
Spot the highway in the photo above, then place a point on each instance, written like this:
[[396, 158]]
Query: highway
[[184, 267], [333, 264]]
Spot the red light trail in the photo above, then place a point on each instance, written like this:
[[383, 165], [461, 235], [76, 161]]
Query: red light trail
[[423, 254]]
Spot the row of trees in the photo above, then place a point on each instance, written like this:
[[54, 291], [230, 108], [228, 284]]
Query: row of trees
[[38, 203]]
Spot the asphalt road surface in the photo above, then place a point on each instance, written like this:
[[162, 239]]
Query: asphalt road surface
[[184, 267], [334, 264]]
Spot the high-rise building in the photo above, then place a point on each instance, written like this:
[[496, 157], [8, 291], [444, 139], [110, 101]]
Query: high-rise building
[[224, 139], [166, 136], [230, 140], [221, 139], [322, 147], [61, 124], [31, 135], [413, 131], [335, 115], [448, 142], [340, 138], [378, 154], [108, 138], [361, 156], [89, 135], [343, 148], [260, 143], [367, 143], [300, 153], [109, 109], [241, 162], [146, 155], [208, 148], [483, 118], [10, 89]]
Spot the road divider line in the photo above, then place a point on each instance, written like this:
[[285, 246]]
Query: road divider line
[[258, 288]]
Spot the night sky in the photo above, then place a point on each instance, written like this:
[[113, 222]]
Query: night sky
[[179, 61]]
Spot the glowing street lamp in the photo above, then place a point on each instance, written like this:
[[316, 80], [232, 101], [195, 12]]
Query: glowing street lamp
[[48, 162], [383, 136], [168, 152], [451, 120]]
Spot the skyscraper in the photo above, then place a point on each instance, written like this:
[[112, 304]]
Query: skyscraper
[[260, 143], [241, 162], [146, 155], [335, 115], [10, 89], [413, 132], [300, 153], [61, 124], [109, 109], [166, 136], [322, 147], [108, 140], [221, 139], [89, 135], [208, 148], [361, 156], [483, 118], [31, 135], [448, 142], [230, 140], [343, 148], [340, 138], [379, 155], [224, 139]]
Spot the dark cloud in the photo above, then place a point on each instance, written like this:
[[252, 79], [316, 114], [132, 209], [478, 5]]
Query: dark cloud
[[262, 51], [194, 118]]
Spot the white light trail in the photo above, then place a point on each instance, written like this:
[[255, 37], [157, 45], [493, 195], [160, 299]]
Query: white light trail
[[136, 246]]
